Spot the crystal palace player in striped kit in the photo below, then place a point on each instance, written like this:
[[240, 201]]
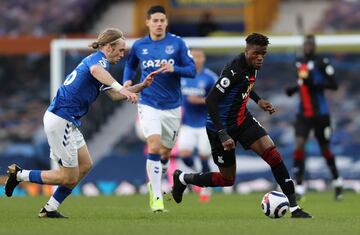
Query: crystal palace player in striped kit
[[314, 75], [229, 122]]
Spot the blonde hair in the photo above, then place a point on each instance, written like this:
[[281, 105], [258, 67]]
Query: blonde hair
[[110, 35]]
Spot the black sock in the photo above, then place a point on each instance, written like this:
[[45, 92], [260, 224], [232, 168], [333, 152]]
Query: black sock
[[209, 179], [199, 179], [282, 177], [332, 166], [299, 170]]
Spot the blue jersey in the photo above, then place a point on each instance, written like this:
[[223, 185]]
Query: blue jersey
[[79, 90], [194, 115], [165, 91]]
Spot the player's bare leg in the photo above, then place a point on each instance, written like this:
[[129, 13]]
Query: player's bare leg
[[64, 190], [165, 156]]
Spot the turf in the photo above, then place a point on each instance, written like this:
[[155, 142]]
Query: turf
[[225, 214]]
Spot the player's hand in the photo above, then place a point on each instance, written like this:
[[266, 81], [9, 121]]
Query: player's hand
[[130, 96], [266, 106], [150, 77], [127, 84], [226, 140], [168, 68], [228, 144]]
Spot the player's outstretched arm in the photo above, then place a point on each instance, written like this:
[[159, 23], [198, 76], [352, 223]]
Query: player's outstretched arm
[[146, 83], [103, 76], [116, 96]]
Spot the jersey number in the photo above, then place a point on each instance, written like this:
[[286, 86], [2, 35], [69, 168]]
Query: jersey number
[[70, 78]]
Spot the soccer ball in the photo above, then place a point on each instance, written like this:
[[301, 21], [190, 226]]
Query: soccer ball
[[275, 204]]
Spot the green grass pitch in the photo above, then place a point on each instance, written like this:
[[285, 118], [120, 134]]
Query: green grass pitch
[[225, 214]]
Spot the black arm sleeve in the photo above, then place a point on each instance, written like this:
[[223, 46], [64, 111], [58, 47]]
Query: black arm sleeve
[[255, 97], [212, 101]]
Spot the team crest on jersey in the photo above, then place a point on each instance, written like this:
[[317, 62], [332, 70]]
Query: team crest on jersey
[[303, 71], [145, 51], [169, 49]]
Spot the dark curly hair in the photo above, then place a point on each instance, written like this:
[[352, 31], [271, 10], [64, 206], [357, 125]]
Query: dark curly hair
[[155, 9], [257, 39]]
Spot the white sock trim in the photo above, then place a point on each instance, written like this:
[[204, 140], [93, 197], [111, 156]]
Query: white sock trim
[[52, 204], [23, 175], [181, 178], [154, 171], [294, 208]]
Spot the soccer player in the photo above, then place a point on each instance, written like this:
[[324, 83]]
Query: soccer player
[[192, 130], [314, 75], [62, 120], [229, 122], [159, 108]]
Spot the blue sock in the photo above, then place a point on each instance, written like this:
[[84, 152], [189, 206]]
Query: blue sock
[[35, 176], [154, 156], [205, 165], [61, 193], [164, 161], [189, 161]]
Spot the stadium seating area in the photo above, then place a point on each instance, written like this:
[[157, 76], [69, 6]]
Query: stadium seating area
[[39, 17], [343, 15]]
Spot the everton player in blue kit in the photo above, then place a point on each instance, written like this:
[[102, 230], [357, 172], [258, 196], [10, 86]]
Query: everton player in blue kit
[[193, 131], [159, 108], [62, 120], [229, 122], [314, 75]]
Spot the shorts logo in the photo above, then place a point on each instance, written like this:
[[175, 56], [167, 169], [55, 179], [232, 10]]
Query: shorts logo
[[225, 82], [220, 159]]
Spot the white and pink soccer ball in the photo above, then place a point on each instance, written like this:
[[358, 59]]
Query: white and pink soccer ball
[[275, 204]]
